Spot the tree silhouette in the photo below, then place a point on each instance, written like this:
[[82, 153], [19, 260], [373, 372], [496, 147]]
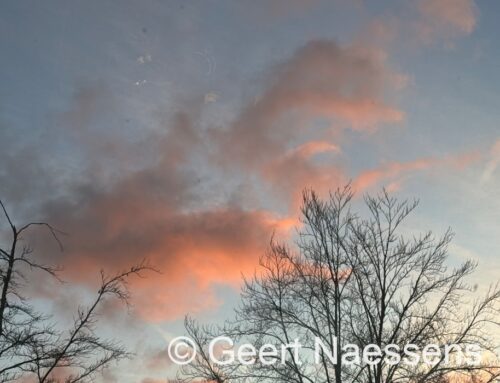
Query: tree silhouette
[[31, 346], [361, 280]]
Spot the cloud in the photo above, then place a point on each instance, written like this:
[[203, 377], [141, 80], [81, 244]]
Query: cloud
[[446, 19], [159, 209], [157, 359], [322, 83], [269, 11], [86, 103], [155, 213], [392, 174], [327, 79], [153, 380], [421, 23], [492, 163]]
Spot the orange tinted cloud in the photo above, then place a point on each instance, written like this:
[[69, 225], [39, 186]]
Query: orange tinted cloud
[[446, 18], [392, 174], [194, 250], [161, 211], [493, 161], [277, 136], [157, 212], [370, 178], [311, 148], [152, 212]]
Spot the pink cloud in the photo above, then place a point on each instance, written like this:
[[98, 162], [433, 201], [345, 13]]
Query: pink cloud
[[446, 18], [492, 163], [276, 137], [393, 173]]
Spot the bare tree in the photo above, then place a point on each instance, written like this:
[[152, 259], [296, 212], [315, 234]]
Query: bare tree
[[362, 281], [31, 347], [204, 366]]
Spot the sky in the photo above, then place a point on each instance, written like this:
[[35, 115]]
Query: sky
[[185, 131]]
